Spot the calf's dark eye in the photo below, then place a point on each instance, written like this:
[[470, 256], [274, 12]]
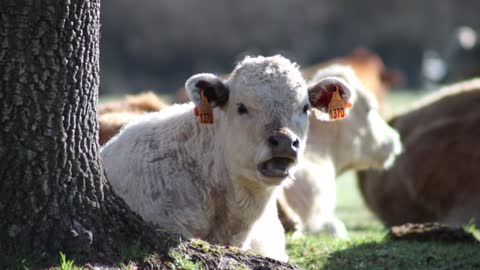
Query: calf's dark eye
[[306, 108], [241, 109]]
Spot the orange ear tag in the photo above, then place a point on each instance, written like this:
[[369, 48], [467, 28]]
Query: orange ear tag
[[336, 107], [204, 110]]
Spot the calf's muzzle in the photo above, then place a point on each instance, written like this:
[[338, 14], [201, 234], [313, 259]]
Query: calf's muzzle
[[284, 145]]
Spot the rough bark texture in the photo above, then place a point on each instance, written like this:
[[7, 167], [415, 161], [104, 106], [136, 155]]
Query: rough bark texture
[[53, 192]]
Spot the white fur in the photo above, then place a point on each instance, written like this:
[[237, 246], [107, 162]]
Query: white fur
[[361, 141], [202, 180]]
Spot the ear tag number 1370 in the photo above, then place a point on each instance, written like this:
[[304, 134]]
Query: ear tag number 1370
[[336, 106]]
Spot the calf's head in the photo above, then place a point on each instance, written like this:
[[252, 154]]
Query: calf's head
[[363, 140], [261, 115]]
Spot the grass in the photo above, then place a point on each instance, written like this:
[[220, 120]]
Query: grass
[[67, 264], [184, 262], [367, 247]]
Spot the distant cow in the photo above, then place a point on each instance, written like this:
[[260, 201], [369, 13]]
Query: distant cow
[[144, 102], [363, 140], [220, 181], [437, 176], [111, 123], [114, 115], [368, 67]]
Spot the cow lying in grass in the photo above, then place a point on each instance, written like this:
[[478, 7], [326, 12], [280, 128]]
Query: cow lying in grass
[[140, 103], [436, 178], [113, 115], [220, 182], [362, 140], [111, 123]]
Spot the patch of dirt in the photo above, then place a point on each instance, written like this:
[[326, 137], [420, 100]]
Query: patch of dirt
[[431, 232]]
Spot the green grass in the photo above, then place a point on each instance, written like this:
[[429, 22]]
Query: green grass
[[184, 262], [67, 264], [367, 247]]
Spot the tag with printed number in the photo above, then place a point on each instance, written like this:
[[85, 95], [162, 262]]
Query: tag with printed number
[[204, 110], [336, 107]]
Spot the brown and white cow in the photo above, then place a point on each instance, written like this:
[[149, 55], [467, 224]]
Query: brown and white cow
[[220, 181], [362, 140], [437, 177]]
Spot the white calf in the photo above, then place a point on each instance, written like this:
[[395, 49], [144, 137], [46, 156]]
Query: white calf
[[363, 140], [220, 182]]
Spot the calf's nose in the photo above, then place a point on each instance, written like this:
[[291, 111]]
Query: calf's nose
[[284, 145]]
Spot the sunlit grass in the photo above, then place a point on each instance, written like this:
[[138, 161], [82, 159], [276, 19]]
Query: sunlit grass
[[367, 246], [369, 249]]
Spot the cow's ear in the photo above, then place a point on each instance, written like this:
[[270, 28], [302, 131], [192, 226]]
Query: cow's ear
[[213, 88], [320, 93]]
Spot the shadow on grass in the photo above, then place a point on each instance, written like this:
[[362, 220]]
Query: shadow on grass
[[406, 255]]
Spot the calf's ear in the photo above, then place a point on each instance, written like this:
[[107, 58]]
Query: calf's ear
[[213, 88], [320, 93]]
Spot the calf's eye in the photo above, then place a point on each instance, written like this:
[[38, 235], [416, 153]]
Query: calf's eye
[[306, 108], [241, 109]]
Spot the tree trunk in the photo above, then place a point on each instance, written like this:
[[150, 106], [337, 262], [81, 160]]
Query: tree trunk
[[53, 192]]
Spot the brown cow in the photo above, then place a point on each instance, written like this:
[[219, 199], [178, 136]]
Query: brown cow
[[115, 114], [144, 102], [111, 123], [437, 178]]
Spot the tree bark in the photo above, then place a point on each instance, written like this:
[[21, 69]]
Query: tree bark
[[53, 192]]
